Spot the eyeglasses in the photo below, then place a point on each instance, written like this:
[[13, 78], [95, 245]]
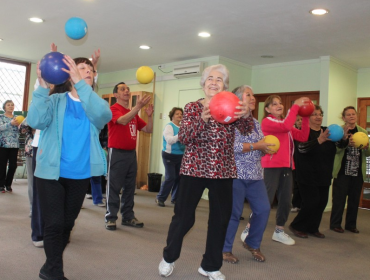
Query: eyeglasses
[[317, 115]]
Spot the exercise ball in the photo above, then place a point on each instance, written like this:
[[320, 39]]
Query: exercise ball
[[75, 28], [19, 119], [144, 74], [336, 132], [222, 107], [361, 139], [51, 68], [306, 109], [272, 140]]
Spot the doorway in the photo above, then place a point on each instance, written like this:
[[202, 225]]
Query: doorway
[[363, 105]]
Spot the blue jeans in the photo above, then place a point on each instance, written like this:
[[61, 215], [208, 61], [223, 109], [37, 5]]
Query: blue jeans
[[255, 192], [172, 164], [96, 192]]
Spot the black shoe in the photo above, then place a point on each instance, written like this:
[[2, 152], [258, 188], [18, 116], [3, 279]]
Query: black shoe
[[8, 189], [354, 230], [133, 223], [43, 276], [159, 203], [2, 189]]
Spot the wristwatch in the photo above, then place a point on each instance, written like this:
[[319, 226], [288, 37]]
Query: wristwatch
[[251, 147]]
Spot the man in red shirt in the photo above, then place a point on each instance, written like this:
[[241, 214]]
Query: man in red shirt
[[122, 169]]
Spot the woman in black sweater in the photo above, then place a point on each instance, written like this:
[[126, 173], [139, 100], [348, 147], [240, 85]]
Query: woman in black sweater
[[314, 166]]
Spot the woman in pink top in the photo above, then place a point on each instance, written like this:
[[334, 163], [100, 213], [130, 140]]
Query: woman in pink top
[[278, 167]]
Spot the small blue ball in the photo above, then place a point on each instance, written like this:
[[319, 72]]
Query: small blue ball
[[336, 132], [75, 28]]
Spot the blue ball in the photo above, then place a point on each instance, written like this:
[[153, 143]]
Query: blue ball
[[51, 68], [336, 132], [75, 28]]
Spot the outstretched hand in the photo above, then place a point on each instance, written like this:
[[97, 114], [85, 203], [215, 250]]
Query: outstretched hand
[[324, 136], [53, 47], [39, 77], [149, 110], [95, 59], [141, 102], [73, 71], [244, 107]]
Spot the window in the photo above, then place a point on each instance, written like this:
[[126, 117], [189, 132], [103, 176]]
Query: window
[[14, 83]]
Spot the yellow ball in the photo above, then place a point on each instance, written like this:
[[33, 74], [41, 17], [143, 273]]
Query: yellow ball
[[273, 140], [361, 139], [144, 74], [19, 119]]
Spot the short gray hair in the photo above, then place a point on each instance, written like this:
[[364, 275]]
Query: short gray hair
[[238, 91], [220, 68]]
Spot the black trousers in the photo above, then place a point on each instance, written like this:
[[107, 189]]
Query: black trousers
[[7, 155], [220, 207], [60, 203], [344, 186], [314, 201], [296, 200]]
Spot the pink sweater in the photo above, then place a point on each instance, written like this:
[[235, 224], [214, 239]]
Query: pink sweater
[[286, 133]]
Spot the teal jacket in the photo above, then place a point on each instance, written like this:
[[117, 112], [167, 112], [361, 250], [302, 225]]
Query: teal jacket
[[340, 153], [47, 114]]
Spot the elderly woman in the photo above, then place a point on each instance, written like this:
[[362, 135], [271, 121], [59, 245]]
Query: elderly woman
[[249, 185], [349, 174], [9, 145], [172, 154], [314, 166], [208, 162]]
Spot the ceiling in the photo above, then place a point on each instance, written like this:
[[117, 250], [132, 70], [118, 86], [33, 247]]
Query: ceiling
[[242, 30]]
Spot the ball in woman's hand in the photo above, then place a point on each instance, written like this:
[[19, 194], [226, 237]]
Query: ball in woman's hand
[[271, 139], [223, 107], [361, 139], [306, 109]]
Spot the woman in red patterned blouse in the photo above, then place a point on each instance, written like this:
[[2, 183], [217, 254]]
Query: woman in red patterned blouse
[[208, 162]]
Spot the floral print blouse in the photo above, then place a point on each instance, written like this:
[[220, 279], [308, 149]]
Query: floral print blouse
[[9, 134]]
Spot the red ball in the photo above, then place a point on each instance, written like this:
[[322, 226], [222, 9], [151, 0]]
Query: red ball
[[307, 109], [223, 107]]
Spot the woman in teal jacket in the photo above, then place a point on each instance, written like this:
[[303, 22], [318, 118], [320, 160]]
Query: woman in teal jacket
[[349, 173], [68, 155]]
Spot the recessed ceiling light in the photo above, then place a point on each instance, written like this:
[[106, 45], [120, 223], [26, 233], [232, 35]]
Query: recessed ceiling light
[[144, 47], [319, 12], [35, 19], [267, 56], [1, 39], [204, 34]]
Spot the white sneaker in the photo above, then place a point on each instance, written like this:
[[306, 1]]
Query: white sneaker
[[282, 237], [102, 204], [212, 275], [38, 244], [244, 234], [88, 196], [165, 268], [294, 209]]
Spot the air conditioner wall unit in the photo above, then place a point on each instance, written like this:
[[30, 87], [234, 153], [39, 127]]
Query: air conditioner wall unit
[[188, 70]]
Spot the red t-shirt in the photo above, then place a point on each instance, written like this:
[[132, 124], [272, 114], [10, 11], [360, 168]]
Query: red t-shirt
[[123, 136]]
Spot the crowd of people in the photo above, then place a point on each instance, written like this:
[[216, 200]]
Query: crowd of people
[[65, 153]]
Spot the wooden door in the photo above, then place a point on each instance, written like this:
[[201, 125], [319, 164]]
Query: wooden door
[[363, 105], [287, 99]]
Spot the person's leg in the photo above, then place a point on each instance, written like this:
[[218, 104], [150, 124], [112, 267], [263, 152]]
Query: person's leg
[[37, 221], [256, 194], [128, 191], [309, 208], [239, 190], [12, 167], [271, 178], [177, 180], [29, 180], [323, 193], [52, 201], [75, 191], [115, 181], [3, 165], [296, 200], [340, 191], [169, 176], [189, 193], [96, 190], [220, 207], [354, 194], [284, 196]]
